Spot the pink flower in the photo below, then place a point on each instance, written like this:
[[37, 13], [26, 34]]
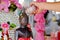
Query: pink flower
[[39, 18], [16, 3], [5, 26], [39, 27], [40, 23], [4, 5]]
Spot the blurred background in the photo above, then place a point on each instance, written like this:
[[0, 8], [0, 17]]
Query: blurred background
[[52, 19]]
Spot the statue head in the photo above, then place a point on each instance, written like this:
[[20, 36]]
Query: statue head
[[23, 19]]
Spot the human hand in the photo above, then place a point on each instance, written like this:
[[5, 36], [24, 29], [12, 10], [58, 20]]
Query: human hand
[[39, 7]]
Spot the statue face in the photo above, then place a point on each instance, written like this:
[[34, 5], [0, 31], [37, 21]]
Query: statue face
[[23, 21]]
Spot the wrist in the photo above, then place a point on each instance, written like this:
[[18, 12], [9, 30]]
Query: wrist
[[42, 5]]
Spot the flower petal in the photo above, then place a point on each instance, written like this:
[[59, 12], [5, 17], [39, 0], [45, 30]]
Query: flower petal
[[4, 26], [6, 9], [1, 7], [15, 1], [19, 5], [6, 2]]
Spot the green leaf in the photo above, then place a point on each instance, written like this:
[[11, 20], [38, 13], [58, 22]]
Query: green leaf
[[0, 29], [12, 7], [12, 25]]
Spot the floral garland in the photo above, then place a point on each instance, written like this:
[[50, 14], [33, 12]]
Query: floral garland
[[40, 23], [6, 5]]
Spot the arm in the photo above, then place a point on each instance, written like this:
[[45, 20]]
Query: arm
[[54, 6]]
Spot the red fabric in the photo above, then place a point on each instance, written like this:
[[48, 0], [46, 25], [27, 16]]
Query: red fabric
[[58, 35], [24, 39], [4, 33]]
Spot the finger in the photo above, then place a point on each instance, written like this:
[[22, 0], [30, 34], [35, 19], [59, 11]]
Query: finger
[[34, 12], [37, 11], [33, 3]]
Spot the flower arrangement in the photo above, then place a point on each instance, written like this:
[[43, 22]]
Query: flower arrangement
[[8, 5], [5, 26], [12, 25], [40, 23], [8, 25]]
